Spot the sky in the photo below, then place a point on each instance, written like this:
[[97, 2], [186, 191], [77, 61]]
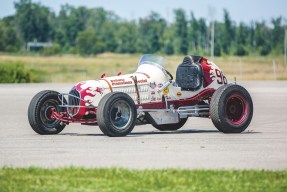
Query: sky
[[240, 10]]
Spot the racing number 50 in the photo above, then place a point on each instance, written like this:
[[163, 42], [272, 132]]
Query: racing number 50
[[221, 79]]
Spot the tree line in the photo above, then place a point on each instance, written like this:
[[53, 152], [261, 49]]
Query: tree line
[[89, 31]]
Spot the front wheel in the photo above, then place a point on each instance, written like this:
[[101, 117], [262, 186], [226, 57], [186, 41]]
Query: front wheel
[[231, 109], [40, 111], [116, 114]]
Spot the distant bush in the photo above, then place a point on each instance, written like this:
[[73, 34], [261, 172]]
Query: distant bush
[[55, 49], [88, 43], [241, 50], [265, 50], [14, 73]]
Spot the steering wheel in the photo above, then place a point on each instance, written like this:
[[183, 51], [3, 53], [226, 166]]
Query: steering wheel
[[169, 74]]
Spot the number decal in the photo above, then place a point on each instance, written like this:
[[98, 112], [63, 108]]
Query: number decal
[[219, 75], [224, 79], [221, 79]]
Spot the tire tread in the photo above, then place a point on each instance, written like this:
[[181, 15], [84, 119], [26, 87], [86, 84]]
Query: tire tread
[[217, 109], [33, 117]]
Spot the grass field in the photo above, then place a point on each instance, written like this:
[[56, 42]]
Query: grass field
[[69, 68], [79, 179]]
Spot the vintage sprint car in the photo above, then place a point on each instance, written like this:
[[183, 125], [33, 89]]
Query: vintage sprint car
[[149, 95]]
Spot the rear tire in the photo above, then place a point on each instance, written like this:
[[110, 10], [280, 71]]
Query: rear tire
[[231, 109], [116, 114], [39, 113], [166, 127]]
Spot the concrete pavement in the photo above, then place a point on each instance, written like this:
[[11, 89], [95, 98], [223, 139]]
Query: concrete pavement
[[197, 145]]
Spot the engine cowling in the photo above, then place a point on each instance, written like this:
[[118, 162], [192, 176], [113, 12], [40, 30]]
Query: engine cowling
[[147, 77]]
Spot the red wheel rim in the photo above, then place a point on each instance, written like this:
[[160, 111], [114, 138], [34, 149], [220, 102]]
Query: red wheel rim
[[236, 109]]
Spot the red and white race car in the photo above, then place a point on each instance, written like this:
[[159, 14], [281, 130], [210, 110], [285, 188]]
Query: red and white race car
[[150, 95]]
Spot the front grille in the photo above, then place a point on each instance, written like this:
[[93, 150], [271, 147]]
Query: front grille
[[73, 102]]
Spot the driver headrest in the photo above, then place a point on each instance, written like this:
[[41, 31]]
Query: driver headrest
[[190, 59]]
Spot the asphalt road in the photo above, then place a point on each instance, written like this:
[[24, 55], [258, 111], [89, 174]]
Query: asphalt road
[[197, 145]]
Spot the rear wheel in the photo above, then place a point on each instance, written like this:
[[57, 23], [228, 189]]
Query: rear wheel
[[116, 114], [40, 111], [231, 109], [166, 127]]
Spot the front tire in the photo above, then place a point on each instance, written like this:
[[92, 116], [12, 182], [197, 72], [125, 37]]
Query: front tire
[[40, 110], [231, 108], [116, 114]]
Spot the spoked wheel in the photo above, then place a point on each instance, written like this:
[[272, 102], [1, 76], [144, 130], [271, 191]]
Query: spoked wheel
[[46, 113], [116, 114], [231, 109], [40, 113]]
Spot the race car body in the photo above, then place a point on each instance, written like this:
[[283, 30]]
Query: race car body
[[149, 95]]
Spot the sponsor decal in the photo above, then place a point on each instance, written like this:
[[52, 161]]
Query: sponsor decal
[[153, 98], [158, 99], [160, 85], [152, 85], [142, 81], [165, 91], [178, 94], [121, 82], [152, 92]]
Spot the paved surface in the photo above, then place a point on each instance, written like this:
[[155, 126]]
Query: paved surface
[[197, 145]]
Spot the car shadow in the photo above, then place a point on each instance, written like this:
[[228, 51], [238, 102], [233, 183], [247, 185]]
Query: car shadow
[[134, 134], [191, 131], [80, 134]]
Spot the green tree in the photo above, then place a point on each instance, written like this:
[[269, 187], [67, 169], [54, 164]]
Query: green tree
[[277, 35], [228, 33], [88, 43], [33, 21], [108, 34], [219, 38], [74, 21], [198, 36], [94, 30], [242, 33], [181, 33], [262, 38], [151, 30], [127, 36], [167, 40], [194, 34], [203, 36], [251, 38], [106, 24], [9, 40]]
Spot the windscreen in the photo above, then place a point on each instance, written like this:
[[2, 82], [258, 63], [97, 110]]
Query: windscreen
[[155, 60]]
